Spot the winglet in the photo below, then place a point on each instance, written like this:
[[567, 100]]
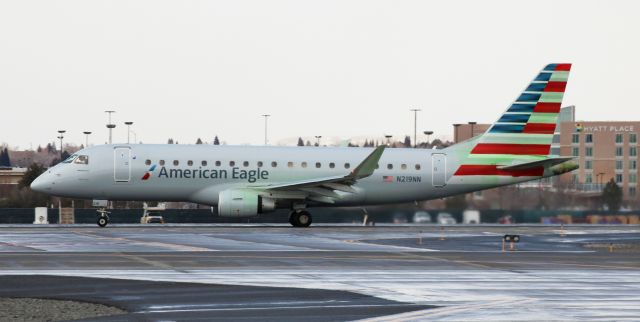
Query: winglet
[[368, 165]]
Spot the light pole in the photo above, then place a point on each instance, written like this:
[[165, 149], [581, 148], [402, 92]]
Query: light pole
[[86, 142], [415, 124], [318, 140], [61, 136], [388, 136], [110, 126], [428, 134], [266, 116], [128, 129], [472, 124], [455, 132]]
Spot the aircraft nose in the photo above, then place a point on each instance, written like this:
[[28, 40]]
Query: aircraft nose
[[41, 183]]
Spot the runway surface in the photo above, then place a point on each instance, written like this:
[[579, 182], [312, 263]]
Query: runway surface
[[325, 273]]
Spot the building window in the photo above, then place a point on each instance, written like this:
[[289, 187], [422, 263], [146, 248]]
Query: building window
[[575, 152], [555, 150], [232, 163], [318, 165], [574, 178], [633, 138], [618, 151], [588, 178], [588, 165], [161, 162], [633, 151], [575, 138], [148, 162], [619, 138], [632, 191], [204, 163], [588, 138], [274, 164], [632, 177], [588, 151], [176, 162], [633, 164], [304, 164], [246, 163], [618, 177], [618, 164]]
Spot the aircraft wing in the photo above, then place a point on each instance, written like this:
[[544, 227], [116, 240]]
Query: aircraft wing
[[324, 189]]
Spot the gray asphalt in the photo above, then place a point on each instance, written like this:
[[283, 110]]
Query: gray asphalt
[[327, 273]]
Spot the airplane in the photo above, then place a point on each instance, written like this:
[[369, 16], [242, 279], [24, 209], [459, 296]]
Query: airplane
[[246, 181]]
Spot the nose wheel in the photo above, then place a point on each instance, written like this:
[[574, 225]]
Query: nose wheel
[[301, 218], [103, 218]]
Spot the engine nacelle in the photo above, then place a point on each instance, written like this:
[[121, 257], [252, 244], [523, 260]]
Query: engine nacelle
[[243, 203]]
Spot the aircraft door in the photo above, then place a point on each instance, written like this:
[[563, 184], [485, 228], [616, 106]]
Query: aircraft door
[[439, 169], [122, 164]]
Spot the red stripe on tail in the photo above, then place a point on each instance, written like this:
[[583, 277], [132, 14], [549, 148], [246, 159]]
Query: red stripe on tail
[[539, 128], [563, 67], [555, 87], [519, 149], [547, 107], [489, 170]]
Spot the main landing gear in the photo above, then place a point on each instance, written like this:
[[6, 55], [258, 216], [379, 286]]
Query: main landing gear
[[300, 218], [103, 217]]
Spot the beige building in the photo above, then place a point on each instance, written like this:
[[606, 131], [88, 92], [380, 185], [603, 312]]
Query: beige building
[[11, 176]]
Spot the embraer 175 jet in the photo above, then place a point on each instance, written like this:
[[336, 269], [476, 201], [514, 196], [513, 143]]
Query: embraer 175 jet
[[246, 181]]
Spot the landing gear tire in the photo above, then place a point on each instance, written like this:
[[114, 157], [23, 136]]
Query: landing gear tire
[[300, 218], [103, 221]]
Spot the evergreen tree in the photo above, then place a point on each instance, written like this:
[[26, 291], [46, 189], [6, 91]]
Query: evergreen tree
[[39, 149], [216, 141], [407, 141], [4, 158], [199, 141], [612, 195], [32, 173], [300, 142], [308, 143], [50, 148], [170, 141]]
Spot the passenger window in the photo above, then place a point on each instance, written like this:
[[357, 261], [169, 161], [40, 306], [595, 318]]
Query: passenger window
[[190, 163], [260, 164], [246, 163], [274, 164], [290, 164], [389, 166], [304, 164], [332, 165], [347, 165], [417, 167], [403, 166], [218, 163], [161, 162], [176, 162], [318, 165], [147, 162], [81, 159], [204, 163], [232, 163]]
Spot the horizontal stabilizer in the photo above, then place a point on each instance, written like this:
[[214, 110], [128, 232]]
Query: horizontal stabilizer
[[535, 164]]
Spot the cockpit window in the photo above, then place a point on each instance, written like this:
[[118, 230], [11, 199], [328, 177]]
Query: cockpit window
[[82, 159], [70, 159]]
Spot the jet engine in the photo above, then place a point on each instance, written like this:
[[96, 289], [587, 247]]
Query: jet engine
[[243, 203]]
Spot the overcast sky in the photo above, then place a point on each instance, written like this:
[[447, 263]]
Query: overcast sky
[[189, 69]]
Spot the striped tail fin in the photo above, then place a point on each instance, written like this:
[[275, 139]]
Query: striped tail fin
[[524, 131]]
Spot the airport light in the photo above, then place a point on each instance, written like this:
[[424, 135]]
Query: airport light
[[61, 136], [318, 137], [455, 132], [428, 134], [266, 116], [128, 129], [86, 142], [110, 126], [415, 125], [472, 128], [388, 136]]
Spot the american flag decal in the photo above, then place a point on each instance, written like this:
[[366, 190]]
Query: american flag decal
[[387, 178]]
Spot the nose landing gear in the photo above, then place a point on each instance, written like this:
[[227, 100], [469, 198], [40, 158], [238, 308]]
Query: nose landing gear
[[103, 217], [300, 218]]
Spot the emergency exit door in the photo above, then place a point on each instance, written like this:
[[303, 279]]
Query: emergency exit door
[[122, 164], [439, 169]]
